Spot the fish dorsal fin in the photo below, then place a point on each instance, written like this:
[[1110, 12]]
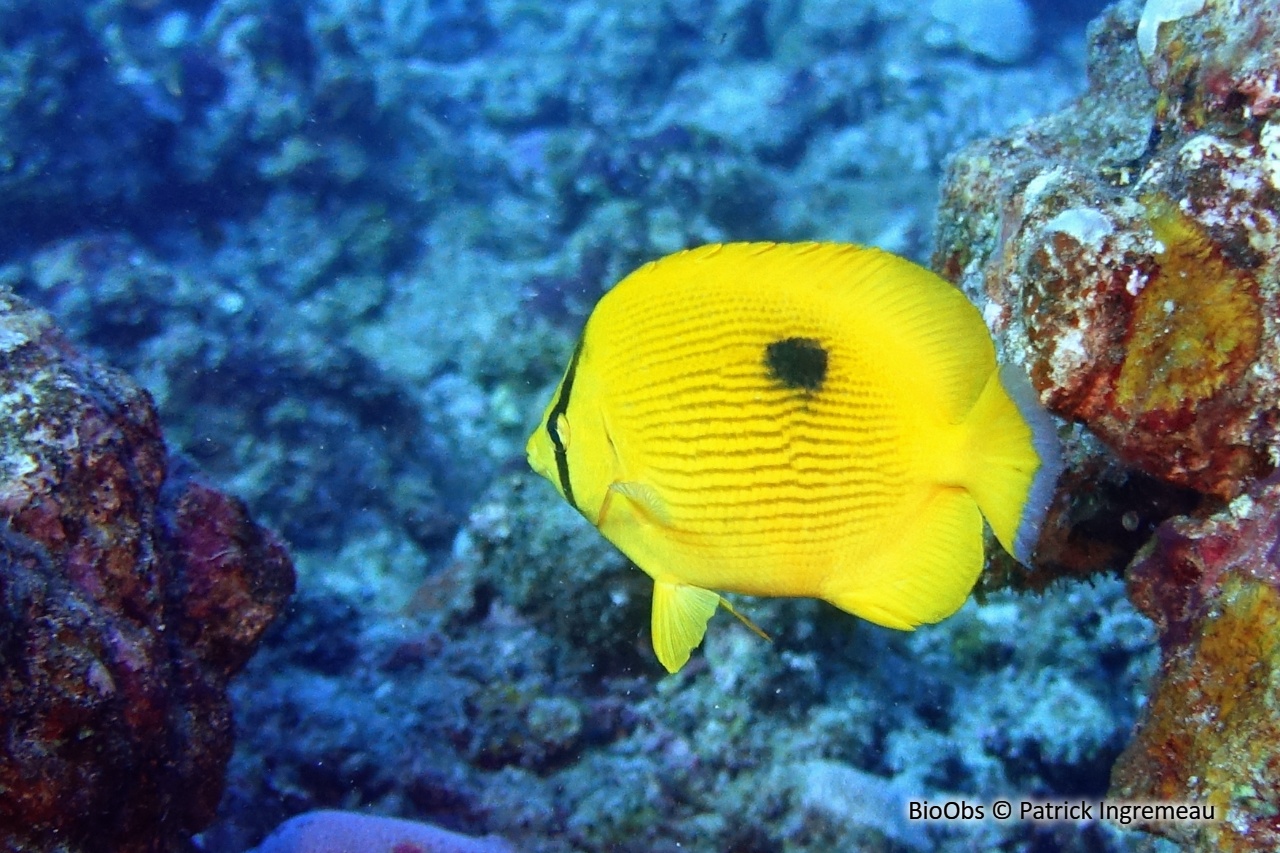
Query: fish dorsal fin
[[645, 498], [922, 324], [680, 615]]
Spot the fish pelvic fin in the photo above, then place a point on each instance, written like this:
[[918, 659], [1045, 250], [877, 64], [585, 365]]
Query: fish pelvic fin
[[679, 621], [1016, 460], [751, 626]]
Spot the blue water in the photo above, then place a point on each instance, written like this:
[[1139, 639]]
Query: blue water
[[348, 244]]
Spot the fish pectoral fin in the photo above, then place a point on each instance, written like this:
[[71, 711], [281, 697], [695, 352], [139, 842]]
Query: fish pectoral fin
[[755, 629], [927, 571], [680, 615], [645, 498]]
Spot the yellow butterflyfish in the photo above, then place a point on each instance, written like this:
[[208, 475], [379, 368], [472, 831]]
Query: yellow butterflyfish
[[816, 420]]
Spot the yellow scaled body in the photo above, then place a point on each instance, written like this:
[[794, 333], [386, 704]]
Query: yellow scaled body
[[814, 420]]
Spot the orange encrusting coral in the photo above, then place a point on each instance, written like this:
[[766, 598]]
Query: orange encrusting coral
[[1210, 730], [1195, 327]]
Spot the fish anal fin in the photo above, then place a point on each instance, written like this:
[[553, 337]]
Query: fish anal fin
[[680, 615], [925, 574], [645, 498]]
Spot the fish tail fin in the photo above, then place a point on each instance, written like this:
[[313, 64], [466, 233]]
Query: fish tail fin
[[924, 572], [1016, 460]]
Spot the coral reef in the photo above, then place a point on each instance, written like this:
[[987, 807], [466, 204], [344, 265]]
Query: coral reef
[[75, 146], [347, 246], [498, 705], [241, 391], [517, 545], [1210, 729], [998, 30], [132, 592], [1126, 249], [371, 226]]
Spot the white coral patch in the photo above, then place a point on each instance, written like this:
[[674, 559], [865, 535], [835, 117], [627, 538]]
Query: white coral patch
[[992, 315], [11, 339], [1158, 12], [1087, 226], [1269, 140], [1037, 186], [1068, 356], [1206, 146], [1137, 281]]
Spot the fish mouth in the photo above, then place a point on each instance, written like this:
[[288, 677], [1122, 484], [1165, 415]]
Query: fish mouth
[[532, 454]]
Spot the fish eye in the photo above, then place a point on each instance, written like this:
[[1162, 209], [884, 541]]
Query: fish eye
[[559, 429]]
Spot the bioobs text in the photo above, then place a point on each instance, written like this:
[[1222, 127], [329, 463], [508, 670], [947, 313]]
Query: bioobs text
[[949, 810]]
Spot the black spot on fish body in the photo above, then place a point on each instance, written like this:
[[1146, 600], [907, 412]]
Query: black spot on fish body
[[798, 363]]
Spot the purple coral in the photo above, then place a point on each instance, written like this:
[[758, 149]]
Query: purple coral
[[350, 832]]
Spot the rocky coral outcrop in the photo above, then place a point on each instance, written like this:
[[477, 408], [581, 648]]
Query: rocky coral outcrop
[[1128, 247], [131, 593], [1212, 586], [1128, 251]]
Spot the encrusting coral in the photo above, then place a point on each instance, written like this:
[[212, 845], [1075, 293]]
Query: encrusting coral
[[130, 594], [1128, 251], [1211, 728]]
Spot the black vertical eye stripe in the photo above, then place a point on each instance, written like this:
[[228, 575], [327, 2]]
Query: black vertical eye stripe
[[561, 408]]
